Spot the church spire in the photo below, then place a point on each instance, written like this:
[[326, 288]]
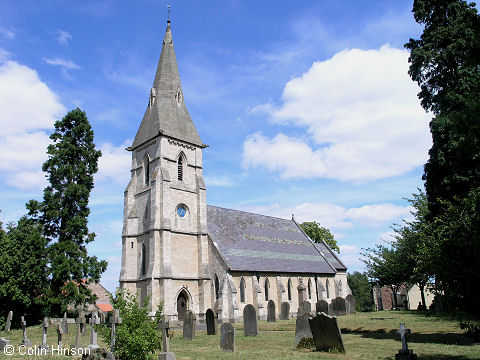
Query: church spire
[[166, 113]]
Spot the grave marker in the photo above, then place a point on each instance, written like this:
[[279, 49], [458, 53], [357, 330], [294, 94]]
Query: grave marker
[[189, 325], [45, 326], [227, 337], [284, 311], [165, 326], [65, 323], [404, 353], [8, 324], [302, 292], [303, 334], [60, 335], [94, 320], [326, 333], [250, 321], [338, 306], [271, 316], [114, 320], [26, 341], [321, 306], [350, 304]]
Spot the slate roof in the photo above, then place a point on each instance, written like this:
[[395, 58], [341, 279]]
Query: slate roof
[[252, 242], [167, 115], [331, 257]]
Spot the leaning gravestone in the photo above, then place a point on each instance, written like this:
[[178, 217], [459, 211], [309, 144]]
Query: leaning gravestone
[[211, 323], [284, 311], [326, 333], [250, 322], [338, 306], [25, 341], [271, 311], [321, 306], [8, 324], [227, 337], [305, 308], [189, 325], [65, 323], [350, 304], [303, 334]]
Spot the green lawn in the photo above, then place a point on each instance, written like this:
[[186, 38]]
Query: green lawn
[[366, 336]]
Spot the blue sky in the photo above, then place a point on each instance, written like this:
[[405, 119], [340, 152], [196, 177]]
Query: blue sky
[[307, 107]]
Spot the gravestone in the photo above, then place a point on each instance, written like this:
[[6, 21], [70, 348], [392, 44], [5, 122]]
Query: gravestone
[[189, 325], [305, 308], [65, 323], [45, 326], [271, 311], [303, 334], [60, 335], [338, 306], [8, 324], [211, 323], [164, 325], [250, 322], [404, 353], [3, 343], [114, 321], [25, 341], [83, 324], [78, 322], [350, 304], [227, 337], [284, 311], [326, 333], [321, 306], [302, 292], [94, 320]]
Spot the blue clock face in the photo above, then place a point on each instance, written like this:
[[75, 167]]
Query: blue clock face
[[181, 211]]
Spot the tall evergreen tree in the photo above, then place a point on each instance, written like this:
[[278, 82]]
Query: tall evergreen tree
[[71, 164]]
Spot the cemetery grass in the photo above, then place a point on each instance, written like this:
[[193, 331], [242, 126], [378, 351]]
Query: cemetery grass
[[365, 335]]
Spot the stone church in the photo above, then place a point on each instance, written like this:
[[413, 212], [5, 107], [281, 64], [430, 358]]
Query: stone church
[[178, 250]]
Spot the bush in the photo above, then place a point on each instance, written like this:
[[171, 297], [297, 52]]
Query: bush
[[137, 336], [472, 328]]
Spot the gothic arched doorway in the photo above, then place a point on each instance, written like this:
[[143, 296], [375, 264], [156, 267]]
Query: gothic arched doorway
[[182, 304]]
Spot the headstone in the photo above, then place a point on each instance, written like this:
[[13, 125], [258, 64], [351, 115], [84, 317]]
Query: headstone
[[60, 333], [25, 341], [304, 309], [102, 317], [284, 311], [114, 321], [404, 353], [3, 343], [189, 325], [211, 323], [303, 334], [302, 292], [164, 325], [321, 306], [78, 322], [350, 303], [83, 324], [227, 337], [94, 320], [326, 333], [250, 322], [65, 323], [271, 311], [45, 326], [8, 324], [339, 307]]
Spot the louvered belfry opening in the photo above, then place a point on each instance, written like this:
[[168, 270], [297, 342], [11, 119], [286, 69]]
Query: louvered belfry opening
[[180, 168]]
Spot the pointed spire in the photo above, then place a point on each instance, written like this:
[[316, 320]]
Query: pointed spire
[[166, 111]]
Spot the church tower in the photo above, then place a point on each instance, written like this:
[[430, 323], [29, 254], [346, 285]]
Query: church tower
[[164, 242]]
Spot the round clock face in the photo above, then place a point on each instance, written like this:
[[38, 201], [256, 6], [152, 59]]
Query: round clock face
[[181, 211]]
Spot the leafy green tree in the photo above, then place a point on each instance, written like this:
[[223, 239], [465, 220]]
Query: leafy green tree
[[71, 164], [361, 290], [137, 336], [318, 234], [23, 269]]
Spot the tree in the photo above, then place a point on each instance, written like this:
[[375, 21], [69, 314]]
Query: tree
[[318, 234], [71, 164], [361, 290], [137, 338], [23, 269]]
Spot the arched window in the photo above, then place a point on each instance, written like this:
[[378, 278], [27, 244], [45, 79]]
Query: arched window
[[242, 290], [328, 289], [144, 260], [180, 168], [289, 289], [309, 288], [146, 170], [267, 285], [217, 286]]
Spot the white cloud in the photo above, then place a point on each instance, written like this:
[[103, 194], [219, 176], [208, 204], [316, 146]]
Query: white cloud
[[377, 213], [63, 37], [27, 107], [7, 33], [220, 181], [63, 63], [351, 257], [361, 112], [115, 163]]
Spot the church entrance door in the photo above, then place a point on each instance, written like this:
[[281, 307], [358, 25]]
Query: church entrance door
[[182, 305]]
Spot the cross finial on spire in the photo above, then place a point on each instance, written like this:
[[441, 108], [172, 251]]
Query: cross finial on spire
[[169, 9]]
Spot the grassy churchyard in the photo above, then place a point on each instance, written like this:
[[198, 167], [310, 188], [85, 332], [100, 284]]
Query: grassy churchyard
[[366, 336]]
